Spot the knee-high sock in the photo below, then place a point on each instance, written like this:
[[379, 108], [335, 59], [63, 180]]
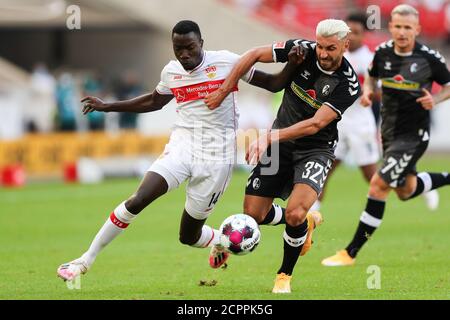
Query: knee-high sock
[[294, 238], [208, 238], [427, 181], [275, 216], [370, 220], [118, 221]]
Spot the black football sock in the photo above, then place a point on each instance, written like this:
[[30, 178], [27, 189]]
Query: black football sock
[[370, 220], [427, 181], [275, 216], [294, 238]]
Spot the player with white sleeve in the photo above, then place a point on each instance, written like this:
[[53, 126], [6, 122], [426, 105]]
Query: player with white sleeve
[[201, 149]]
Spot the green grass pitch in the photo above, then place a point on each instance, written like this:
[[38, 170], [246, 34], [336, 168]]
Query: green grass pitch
[[44, 225]]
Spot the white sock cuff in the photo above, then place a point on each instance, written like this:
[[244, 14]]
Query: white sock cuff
[[123, 215], [208, 238], [370, 220], [426, 179], [278, 214], [316, 206], [294, 242]]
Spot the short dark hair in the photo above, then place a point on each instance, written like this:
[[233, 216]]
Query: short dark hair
[[186, 26], [358, 17]]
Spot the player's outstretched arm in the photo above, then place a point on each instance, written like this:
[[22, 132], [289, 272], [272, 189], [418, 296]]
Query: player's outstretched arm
[[145, 103], [428, 101], [260, 54], [277, 82], [308, 127], [442, 95]]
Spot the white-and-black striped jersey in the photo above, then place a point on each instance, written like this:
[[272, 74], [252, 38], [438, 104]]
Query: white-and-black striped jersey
[[403, 77], [310, 88]]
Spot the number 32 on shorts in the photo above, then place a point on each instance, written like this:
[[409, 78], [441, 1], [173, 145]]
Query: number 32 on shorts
[[316, 172]]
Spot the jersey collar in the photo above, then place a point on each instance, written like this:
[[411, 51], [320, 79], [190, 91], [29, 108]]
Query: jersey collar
[[200, 64], [406, 54], [324, 71], [403, 54]]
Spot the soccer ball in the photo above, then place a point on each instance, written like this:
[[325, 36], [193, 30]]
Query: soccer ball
[[239, 234]]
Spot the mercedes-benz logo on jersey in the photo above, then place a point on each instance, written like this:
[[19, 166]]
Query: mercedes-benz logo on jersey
[[179, 95], [413, 68], [326, 90], [256, 184]]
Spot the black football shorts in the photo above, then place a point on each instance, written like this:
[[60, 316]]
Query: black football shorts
[[400, 157], [275, 176]]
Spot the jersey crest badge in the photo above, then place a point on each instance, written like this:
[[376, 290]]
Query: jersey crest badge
[[211, 72], [256, 184]]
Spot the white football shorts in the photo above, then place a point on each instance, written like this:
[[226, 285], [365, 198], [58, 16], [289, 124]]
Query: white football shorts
[[206, 180], [358, 138]]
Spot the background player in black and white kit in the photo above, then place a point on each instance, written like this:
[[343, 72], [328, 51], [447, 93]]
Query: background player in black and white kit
[[407, 70], [305, 132]]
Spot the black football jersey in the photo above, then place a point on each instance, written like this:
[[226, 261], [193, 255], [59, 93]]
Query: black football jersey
[[402, 79], [310, 88]]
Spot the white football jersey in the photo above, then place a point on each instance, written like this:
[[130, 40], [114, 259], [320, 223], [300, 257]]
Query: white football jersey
[[357, 129], [360, 60], [211, 133]]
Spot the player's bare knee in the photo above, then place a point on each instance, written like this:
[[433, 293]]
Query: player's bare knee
[[295, 216], [403, 193], [378, 189], [255, 211]]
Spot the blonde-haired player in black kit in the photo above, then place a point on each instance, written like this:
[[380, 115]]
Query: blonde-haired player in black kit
[[322, 88]]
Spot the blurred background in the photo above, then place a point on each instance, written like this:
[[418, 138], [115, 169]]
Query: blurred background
[[54, 52]]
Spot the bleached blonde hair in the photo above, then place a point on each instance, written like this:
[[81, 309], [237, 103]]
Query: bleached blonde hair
[[331, 27], [404, 10]]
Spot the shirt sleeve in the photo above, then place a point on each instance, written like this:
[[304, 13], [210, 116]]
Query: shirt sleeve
[[439, 69], [343, 96], [163, 85], [234, 59], [373, 66], [281, 49]]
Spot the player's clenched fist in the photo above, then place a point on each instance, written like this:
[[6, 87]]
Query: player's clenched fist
[[256, 149], [366, 98], [426, 100], [214, 99], [93, 104], [297, 55]]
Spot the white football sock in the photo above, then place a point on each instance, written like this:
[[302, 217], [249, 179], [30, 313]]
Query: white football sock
[[119, 219], [210, 237], [315, 206]]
